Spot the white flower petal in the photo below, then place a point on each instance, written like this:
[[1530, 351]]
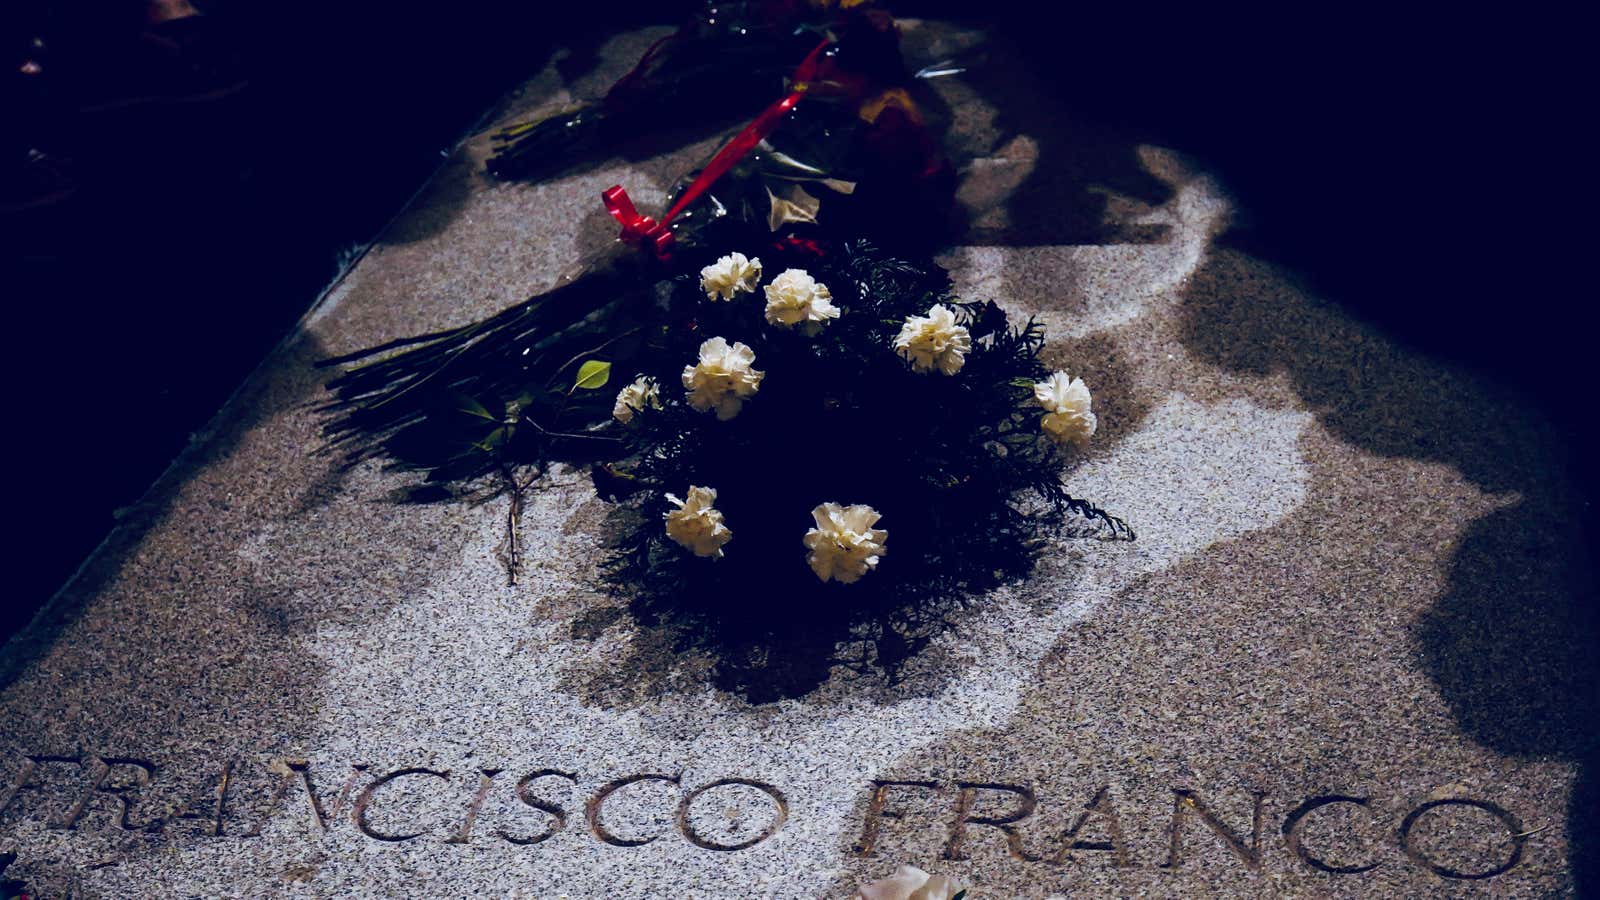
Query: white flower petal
[[696, 524], [723, 378], [934, 341], [641, 394], [796, 300], [910, 883], [729, 276], [1069, 417], [844, 546]]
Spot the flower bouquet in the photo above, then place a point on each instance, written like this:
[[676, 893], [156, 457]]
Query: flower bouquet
[[774, 382], [845, 437]]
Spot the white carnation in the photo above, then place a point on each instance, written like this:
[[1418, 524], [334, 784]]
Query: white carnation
[[1068, 418], [722, 379], [844, 546], [696, 524], [934, 340], [732, 274], [910, 883], [796, 300], [635, 398]]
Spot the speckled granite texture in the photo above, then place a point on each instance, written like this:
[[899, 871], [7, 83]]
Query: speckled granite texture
[[1339, 661]]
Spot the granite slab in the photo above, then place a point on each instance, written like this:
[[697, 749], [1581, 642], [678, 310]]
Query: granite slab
[[1343, 658]]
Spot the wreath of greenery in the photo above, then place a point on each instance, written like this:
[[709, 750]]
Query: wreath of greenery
[[965, 481]]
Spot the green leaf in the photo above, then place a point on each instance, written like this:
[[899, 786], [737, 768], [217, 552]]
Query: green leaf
[[494, 440], [593, 374], [461, 403]]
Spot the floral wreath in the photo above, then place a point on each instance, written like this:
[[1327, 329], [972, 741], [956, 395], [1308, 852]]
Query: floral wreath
[[848, 437]]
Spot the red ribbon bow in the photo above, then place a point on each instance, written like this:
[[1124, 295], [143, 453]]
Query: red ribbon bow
[[647, 232], [636, 229]]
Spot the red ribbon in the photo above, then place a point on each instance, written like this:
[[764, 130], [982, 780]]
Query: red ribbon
[[645, 231], [636, 229], [627, 83]]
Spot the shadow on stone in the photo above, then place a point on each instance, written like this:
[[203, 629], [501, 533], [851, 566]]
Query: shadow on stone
[[1510, 642], [173, 645], [263, 399], [1073, 168], [755, 646]]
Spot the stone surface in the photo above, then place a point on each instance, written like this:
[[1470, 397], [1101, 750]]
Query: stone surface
[[1345, 639]]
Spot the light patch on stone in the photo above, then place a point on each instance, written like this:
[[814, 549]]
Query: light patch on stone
[[1078, 290], [464, 666], [988, 181]]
